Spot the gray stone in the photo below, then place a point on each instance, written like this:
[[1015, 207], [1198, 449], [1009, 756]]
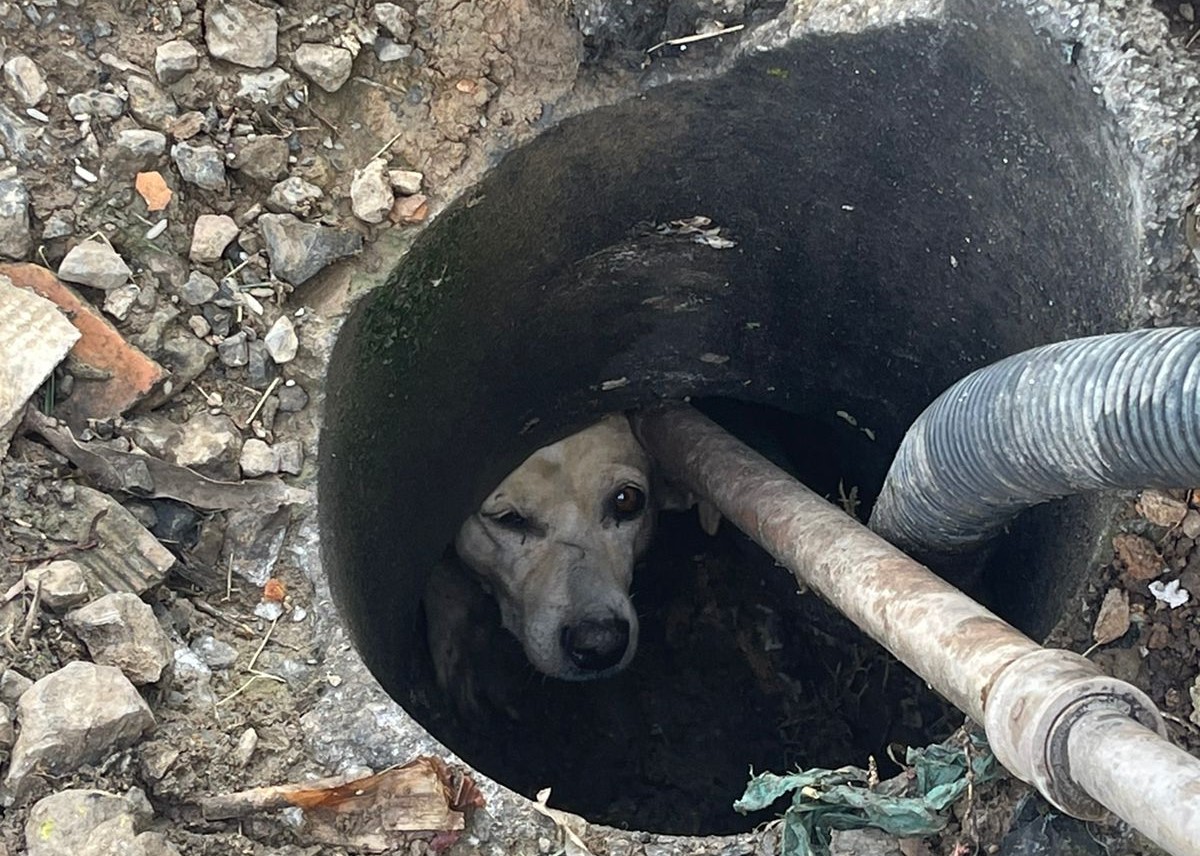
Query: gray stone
[[199, 288], [258, 459], [324, 65], [120, 300], [210, 237], [26, 80], [150, 105], [246, 745], [266, 87], [293, 196], [15, 237], [104, 105], [387, 50], [208, 443], [61, 823], [120, 630], [215, 653], [18, 135], [12, 686], [186, 357], [292, 399], [406, 181], [371, 195], [240, 32], [174, 60], [132, 559], [74, 716], [395, 19], [7, 734], [254, 542], [63, 583], [95, 264], [259, 368], [290, 454], [60, 224], [140, 147], [262, 159], [200, 165], [199, 325], [234, 351], [281, 340], [298, 251]]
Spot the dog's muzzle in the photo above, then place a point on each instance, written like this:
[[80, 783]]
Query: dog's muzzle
[[596, 645]]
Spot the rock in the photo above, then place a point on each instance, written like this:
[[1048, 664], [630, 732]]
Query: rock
[[371, 195], [218, 318], [12, 686], [259, 368], [1112, 619], [410, 209], [240, 32], [120, 300], [298, 251], [281, 340], [103, 105], [7, 734], [267, 87], [262, 159], [15, 237], [132, 560], [215, 653], [292, 399], [406, 181], [18, 135], [324, 65], [395, 19], [95, 264], [258, 459], [93, 823], [77, 715], [246, 745], [138, 149], [150, 105], [60, 224], [175, 522], [63, 583], [209, 444], [120, 630], [293, 196], [290, 455], [186, 358], [387, 50], [253, 543], [1160, 508], [234, 351], [200, 165], [211, 235], [199, 288], [1140, 557], [175, 59], [26, 80], [157, 757], [1190, 525]]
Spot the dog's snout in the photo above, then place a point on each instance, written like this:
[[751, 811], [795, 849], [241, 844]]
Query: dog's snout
[[596, 645]]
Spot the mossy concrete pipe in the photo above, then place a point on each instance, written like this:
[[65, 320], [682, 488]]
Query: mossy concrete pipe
[[1053, 718]]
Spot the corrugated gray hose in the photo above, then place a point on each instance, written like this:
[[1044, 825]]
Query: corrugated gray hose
[[1120, 411]]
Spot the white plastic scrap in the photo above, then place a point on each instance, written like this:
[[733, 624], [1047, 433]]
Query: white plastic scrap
[[1169, 593]]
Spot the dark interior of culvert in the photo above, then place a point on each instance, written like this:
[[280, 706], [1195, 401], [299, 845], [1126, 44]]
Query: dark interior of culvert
[[906, 205]]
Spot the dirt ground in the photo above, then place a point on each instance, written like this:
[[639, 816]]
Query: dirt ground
[[789, 684]]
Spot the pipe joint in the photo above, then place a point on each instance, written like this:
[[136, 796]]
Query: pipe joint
[[1031, 709]]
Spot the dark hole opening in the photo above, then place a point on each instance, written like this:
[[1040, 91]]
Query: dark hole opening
[[736, 669]]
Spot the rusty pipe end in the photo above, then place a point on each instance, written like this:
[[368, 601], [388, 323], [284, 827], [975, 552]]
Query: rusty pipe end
[[1033, 705]]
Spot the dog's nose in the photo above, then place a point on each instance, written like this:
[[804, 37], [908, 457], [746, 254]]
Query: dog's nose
[[596, 645]]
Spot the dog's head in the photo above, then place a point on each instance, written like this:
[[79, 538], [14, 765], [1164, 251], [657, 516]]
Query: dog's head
[[556, 543]]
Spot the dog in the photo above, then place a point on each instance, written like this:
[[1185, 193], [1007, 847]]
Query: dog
[[555, 546]]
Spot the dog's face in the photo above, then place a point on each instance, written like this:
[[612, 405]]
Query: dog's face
[[556, 543]]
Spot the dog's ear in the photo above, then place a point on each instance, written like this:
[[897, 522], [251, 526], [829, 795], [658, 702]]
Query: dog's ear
[[675, 497]]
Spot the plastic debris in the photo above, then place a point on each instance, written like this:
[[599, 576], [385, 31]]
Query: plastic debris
[[911, 804]]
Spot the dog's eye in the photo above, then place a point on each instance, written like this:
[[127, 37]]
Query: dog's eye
[[512, 520], [628, 502]]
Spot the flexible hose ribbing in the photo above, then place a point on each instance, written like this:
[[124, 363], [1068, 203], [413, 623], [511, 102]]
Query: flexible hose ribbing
[[1120, 411]]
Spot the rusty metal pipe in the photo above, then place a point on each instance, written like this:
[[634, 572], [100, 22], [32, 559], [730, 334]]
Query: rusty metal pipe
[[1032, 701]]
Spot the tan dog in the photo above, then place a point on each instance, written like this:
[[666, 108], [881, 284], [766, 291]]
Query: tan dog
[[555, 545]]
